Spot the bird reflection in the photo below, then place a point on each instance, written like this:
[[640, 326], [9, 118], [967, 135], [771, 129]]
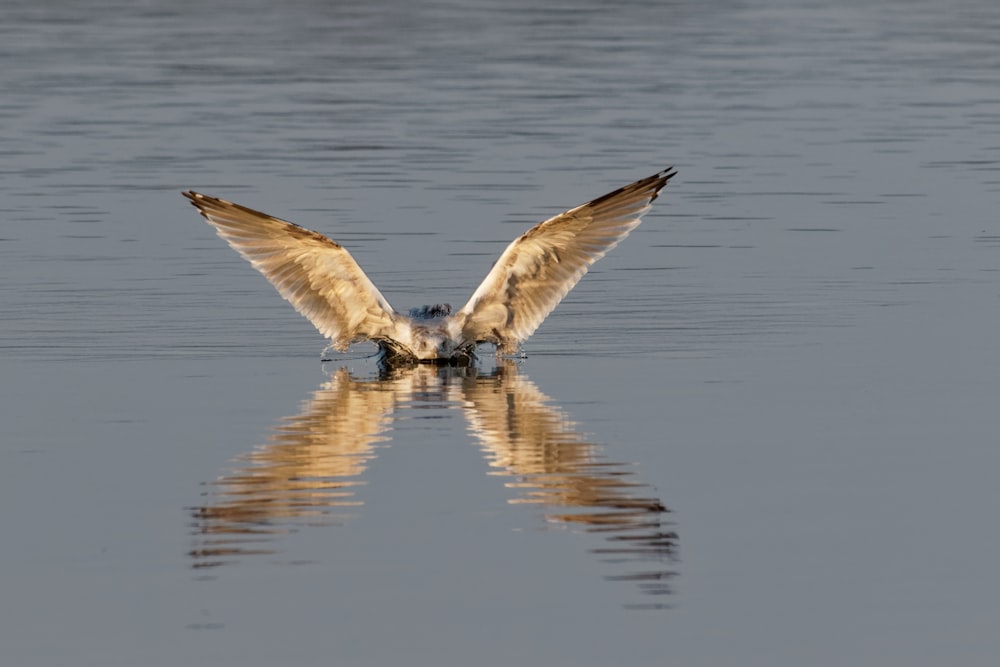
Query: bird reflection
[[554, 466], [313, 463]]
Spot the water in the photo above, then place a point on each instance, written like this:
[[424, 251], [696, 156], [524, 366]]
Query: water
[[313, 465], [762, 431]]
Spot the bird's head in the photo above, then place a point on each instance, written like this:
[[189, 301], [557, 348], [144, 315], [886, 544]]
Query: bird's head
[[431, 312]]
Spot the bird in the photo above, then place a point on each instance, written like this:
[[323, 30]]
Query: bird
[[324, 283]]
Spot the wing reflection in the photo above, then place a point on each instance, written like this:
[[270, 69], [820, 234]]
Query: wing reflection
[[312, 464], [306, 473], [555, 466]]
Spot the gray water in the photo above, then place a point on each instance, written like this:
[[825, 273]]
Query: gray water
[[763, 431]]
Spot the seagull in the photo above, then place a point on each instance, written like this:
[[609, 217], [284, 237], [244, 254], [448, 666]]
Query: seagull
[[321, 279]]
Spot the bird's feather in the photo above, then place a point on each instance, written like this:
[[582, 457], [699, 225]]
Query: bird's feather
[[538, 269], [315, 274], [324, 283]]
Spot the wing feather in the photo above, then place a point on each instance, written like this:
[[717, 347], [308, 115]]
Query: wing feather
[[315, 274], [538, 269]]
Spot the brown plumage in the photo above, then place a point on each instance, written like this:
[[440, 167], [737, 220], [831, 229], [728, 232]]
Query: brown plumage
[[324, 283]]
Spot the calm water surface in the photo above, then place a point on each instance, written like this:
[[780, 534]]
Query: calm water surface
[[761, 432]]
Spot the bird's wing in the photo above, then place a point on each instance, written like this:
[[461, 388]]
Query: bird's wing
[[538, 269], [315, 274]]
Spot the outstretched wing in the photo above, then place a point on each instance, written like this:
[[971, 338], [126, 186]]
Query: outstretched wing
[[538, 269], [315, 274]]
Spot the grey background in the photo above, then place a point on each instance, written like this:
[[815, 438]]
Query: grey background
[[796, 352]]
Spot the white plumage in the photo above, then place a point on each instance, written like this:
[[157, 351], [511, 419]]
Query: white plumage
[[324, 283]]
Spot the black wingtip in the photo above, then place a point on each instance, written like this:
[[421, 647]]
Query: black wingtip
[[194, 198], [651, 184], [661, 179], [664, 175]]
